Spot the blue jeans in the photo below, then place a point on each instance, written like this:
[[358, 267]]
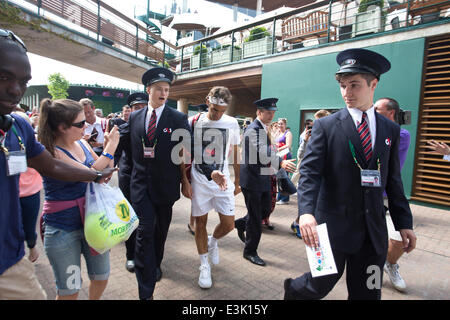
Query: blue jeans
[[64, 250], [280, 197], [30, 211]]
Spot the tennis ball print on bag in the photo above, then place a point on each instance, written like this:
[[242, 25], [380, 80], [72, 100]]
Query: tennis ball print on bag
[[103, 234]]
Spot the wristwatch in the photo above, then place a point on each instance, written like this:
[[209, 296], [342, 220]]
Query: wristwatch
[[99, 176]]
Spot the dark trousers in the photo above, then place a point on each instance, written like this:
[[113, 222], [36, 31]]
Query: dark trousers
[[151, 234], [30, 211], [258, 207], [359, 275], [130, 245]]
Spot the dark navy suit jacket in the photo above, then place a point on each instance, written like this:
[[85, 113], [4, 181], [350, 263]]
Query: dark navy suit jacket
[[330, 183], [257, 156], [158, 177]]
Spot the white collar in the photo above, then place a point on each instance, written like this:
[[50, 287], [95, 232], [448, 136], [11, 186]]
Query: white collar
[[158, 110], [264, 126], [357, 114], [357, 117]]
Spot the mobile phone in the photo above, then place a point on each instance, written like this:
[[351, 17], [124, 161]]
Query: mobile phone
[[93, 136]]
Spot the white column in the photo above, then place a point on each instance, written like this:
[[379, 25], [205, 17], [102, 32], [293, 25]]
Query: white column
[[258, 7], [235, 11], [182, 105]]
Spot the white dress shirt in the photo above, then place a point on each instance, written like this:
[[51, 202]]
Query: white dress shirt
[[158, 112], [357, 117], [264, 126]]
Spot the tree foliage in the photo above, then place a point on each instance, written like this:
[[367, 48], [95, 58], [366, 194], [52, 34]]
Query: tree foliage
[[58, 86]]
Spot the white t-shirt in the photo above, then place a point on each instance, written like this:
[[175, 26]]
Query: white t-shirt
[[212, 144]]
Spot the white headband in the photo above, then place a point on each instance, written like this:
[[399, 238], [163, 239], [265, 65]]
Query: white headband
[[217, 101]]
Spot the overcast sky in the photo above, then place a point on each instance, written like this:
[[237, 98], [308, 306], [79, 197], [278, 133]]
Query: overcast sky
[[43, 67]]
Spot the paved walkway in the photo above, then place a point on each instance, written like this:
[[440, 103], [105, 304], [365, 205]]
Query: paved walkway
[[426, 270]]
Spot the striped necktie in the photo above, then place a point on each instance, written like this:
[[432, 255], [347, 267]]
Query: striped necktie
[[151, 128], [366, 139]]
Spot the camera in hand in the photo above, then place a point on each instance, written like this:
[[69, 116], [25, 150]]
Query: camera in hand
[[111, 123], [404, 117], [116, 121]]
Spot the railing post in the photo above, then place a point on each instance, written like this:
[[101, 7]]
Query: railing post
[[164, 54], [200, 55], [407, 14], [182, 53], [99, 20], [273, 35], [39, 3], [329, 21], [137, 39], [232, 47]]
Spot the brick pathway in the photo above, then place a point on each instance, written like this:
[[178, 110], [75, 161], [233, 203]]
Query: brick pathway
[[426, 270]]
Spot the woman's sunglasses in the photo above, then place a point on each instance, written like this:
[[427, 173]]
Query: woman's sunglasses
[[10, 35], [79, 124]]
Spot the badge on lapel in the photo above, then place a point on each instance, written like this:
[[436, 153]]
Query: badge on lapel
[[167, 130], [388, 142]]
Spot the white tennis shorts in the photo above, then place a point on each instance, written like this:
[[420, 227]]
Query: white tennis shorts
[[203, 203]]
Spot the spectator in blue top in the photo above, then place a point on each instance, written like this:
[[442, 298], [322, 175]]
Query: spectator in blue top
[[19, 146], [61, 129]]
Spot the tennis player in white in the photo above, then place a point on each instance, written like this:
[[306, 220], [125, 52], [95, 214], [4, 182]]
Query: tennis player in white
[[216, 139]]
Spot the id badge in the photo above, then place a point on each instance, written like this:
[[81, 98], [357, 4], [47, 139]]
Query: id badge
[[16, 162], [149, 152], [370, 178]]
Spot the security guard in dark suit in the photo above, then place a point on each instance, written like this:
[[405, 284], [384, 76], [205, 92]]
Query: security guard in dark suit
[[135, 101], [352, 156], [258, 159], [155, 177]]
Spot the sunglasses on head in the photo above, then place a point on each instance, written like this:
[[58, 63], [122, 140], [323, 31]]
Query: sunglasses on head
[[79, 124], [10, 35]]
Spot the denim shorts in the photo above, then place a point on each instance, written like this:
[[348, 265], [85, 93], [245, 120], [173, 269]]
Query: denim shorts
[[64, 251]]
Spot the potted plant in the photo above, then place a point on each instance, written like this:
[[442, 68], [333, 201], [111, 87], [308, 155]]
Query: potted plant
[[195, 58], [258, 43], [223, 54], [369, 17]]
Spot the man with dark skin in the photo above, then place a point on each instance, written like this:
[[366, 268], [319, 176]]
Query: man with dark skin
[[17, 278]]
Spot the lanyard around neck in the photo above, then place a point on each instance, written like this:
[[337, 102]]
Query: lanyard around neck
[[3, 147], [352, 149]]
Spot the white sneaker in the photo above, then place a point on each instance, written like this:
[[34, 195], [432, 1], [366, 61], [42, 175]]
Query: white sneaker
[[213, 252], [204, 280], [281, 202], [395, 277]]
